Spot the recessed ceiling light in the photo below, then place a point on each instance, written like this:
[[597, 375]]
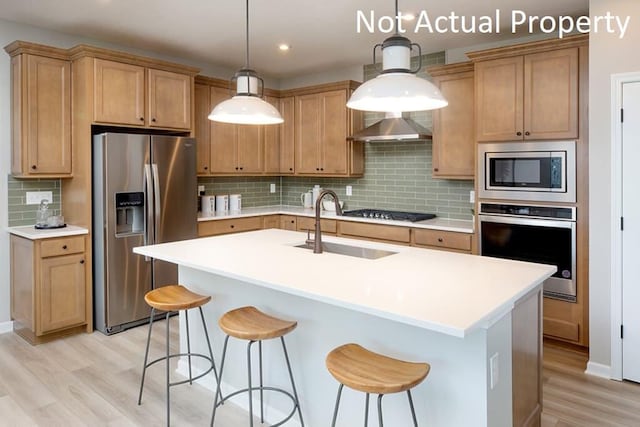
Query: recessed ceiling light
[[284, 47]]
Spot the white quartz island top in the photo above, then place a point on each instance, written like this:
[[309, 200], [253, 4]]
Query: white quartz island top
[[446, 292]]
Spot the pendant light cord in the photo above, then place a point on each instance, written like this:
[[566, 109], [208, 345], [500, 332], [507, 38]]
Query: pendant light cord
[[247, 36], [395, 21]]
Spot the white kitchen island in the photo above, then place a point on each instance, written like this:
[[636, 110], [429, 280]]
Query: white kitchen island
[[457, 312]]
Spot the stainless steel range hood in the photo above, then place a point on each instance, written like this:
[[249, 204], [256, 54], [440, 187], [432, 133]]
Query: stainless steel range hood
[[393, 127]]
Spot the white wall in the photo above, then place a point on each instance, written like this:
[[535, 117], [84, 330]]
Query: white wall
[[9, 32], [608, 55]]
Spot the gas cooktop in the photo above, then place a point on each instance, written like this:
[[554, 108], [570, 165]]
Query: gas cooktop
[[391, 215]]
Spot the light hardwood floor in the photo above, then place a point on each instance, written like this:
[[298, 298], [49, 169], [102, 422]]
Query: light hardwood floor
[[92, 379]]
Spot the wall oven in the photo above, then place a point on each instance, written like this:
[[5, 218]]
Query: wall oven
[[542, 234], [532, 171]]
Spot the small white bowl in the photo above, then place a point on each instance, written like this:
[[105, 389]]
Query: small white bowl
[[330, 206]]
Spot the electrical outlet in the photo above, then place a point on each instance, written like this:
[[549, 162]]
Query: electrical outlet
[[272, 188], [34, 197], [493, 368], [472, 196], [201, 190], [349, 190]]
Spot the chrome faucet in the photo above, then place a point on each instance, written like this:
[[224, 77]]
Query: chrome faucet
[[317, 238]]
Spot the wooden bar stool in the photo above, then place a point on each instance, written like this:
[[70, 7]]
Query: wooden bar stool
[[369, 372], [249, 323], [173, 298]]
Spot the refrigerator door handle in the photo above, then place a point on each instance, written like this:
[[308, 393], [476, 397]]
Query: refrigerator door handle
[[148, 220], [156, 193]]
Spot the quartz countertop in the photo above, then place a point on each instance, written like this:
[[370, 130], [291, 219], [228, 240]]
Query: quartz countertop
[[31, 233], [460, 226], [447, 292]]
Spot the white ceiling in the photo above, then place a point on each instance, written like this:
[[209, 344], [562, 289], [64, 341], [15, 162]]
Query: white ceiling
[[322, 33]]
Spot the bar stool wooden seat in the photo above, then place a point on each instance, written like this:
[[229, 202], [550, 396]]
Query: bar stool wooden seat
[[252, 325], [363, 370], [170, 299]]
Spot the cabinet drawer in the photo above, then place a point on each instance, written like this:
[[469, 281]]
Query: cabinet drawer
[[272, 221], [225, 226], [62, 246], [561, 329], [442, 239], [374, 231], [288, 222], [326, 225]]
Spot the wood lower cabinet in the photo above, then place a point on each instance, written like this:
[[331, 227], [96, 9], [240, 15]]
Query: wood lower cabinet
[[49, 295], [271, 221], [454, 145], [41, 112], [379, 232], [448, 240], [120, 96], [528, 92], [288, 222], [327, 226], [231, 225]]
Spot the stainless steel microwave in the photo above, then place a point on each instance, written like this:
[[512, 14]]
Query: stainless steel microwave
[[532, 171]]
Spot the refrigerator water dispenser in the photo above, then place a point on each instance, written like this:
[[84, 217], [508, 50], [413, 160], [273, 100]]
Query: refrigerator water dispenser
[[129, 213]]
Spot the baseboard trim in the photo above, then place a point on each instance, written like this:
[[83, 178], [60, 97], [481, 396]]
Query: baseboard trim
[[6, 327], [598, 370]]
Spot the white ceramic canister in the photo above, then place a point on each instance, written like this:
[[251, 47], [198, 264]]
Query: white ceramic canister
[[316, 192], [208, 204], [235, 202], [222, 203]]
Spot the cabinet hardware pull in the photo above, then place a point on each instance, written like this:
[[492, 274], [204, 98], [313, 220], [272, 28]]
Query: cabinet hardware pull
[[290, 169], [64, 247], [34, 167], [440, 239], [519, 133], [81, 261], [206, 167], [232, 226], [153, 119], [317, 169], [435, 169], [527, 133], [321, 169], [240, 167], [142, 119], [236, 168]]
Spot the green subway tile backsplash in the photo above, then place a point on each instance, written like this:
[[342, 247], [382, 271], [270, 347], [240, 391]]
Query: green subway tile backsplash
[[254, 189], [19, 212]]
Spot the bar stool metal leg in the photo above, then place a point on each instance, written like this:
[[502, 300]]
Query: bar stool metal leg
[[261, 385], [335, 411], [249, 381], [146, 357], [206, 335], [380, 409], [186, 321], [293, 385], [168, 372], [366, 411], [218, 393], [413, 411]]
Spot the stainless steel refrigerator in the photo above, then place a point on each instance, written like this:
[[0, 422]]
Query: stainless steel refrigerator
[[144, 192]]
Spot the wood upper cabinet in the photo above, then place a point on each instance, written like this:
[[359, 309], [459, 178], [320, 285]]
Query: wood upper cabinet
[[322, 124], [287, 136], [453, 126], [49, 295], [202, 128], [122, 98], [250, 149], [272, 142], [119, 93], [528, 97], [41, 121]]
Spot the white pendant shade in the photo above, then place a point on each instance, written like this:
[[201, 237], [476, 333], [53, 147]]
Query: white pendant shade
[[397, 92], [246, 110]]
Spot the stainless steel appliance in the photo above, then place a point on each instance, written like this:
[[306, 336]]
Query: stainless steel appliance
[[391, 215], [143, 193], [532, 171], [542, 234]]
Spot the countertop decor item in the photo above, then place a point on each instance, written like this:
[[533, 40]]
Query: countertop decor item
[[247, 107]]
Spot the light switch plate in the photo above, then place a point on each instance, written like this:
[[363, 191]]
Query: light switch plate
[[472, 196], [349, 190], [493, 367], [34, 197], [272, 188]]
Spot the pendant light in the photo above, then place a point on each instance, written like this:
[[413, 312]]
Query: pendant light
[[247, 107], [397, 88]]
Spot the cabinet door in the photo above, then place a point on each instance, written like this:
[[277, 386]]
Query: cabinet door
[[47, 132], [551, 95], [453, 128], [202, 129], [288, 222], [287, 136], [308, 133], [118, 93], [499, 99], [62, 293], [169, 99], [223, 138], [334, 133], [272, 142], [250, 149]]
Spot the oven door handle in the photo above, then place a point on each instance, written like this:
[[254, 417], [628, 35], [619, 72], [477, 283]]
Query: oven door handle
[[547, 223]]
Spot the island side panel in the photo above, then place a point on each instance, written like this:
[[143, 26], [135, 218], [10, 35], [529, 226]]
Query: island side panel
[[454, 394]]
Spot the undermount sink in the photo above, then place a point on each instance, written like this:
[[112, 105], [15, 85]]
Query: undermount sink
[[355, 251]]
